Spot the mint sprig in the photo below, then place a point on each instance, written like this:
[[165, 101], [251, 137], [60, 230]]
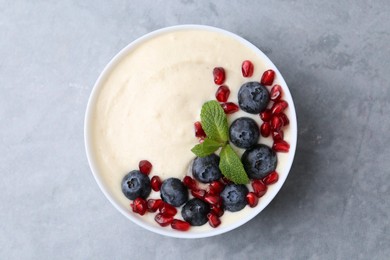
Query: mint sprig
[[214, 123]]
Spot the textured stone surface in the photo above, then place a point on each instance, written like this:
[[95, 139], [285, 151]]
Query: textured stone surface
[[333, 54]]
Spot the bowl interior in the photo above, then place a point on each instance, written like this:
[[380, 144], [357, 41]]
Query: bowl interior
[[271, 193]]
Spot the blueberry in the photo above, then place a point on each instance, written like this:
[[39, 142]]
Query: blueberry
[[259, 161], [135, 184], [195, 212], [174, 192], [244, 132], [234, 197], [206, 169], [253, 97]]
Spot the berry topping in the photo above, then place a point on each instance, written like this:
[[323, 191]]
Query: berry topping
[[212, 199], [268, 78], [229, 107], [276, 93], [180, 225], [259, 188], [139, 206], [195, 212], [247, 68], [145, 167], [284, 119], [281, 146], [206, 169], [252, 199], [278, 107], [214, 220], [222, 93], [168, 210], [234, 197], [163, 220], [259, 161], [265, 129], [277, 135], [253, 97], [266, 115], [135, 184], [216, 187], [155, 182], [271, 178], [190, 183], [198, 193], [276, 123], [154, 205], [219, 75], [199, 132], [174, 192], [244, 132]]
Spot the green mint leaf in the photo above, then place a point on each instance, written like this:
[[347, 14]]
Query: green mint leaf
[[208, 147], [214, 121], [231, 166]]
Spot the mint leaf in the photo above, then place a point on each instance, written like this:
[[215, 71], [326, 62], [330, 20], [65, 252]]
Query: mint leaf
[[214, 122], [208, 147], [231, 166]]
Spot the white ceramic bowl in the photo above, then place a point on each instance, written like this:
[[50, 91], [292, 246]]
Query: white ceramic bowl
[[263, 202]]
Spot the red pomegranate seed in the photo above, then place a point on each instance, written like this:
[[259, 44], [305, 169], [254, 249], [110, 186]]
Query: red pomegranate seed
[[271, 178], [226, 181], [281, 146], [190, 183], [284, 119], [163, 220], [277, 135], [222, 93], [265, 129], [180, 225], [168, 210], [214, 220], [268, 78], [229, 107], [259, 188], [278, 107], [252, 199], [139, 206], [216, 187], [145, 167], [154, 204], [217, 210], [266, 115], [198, 193], [276, 123], [247, 68], [276, 93], [219, 75], [155, 182], [212, 199], [199, 132]]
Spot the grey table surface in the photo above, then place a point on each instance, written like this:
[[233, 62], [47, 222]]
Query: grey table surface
[[334, 56]]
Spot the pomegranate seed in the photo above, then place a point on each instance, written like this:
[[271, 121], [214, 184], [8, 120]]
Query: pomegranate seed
[[265, 129], [247, 68], [276, 93], [259, 188], [190, 183], [216, 187], [266, 115], [222, 93], [155, 182], [168, 210], [271, 178], [281, 146], [214, 220], [252, 199], [278, 107], [276, 123], [212, 199], [229, 107], [284, 119], [219, 75], [198, 193], [180, 225], [225, 180], [154, 204], [268, 78], [139, 206], [199, 132], [163, 220], [216, 210], [145, 167], [277, 135]]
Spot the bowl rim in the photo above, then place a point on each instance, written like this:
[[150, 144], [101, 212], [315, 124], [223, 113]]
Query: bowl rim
[[88, 126]]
